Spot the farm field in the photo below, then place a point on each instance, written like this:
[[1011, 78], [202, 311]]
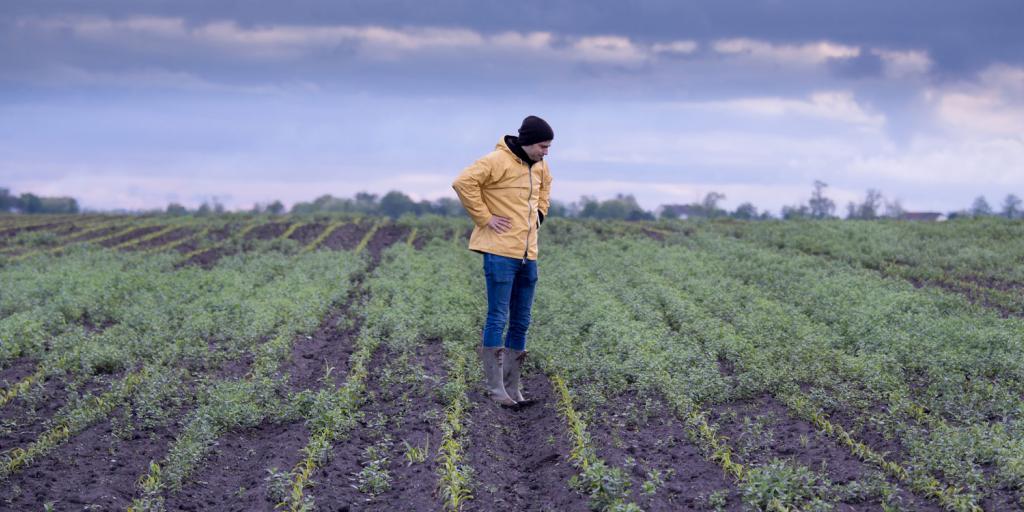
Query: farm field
[[242, 362]]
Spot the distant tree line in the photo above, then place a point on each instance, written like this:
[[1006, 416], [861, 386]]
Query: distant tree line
[[621, 207], [31, 203]]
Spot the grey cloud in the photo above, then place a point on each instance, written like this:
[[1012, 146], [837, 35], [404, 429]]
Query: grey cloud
[[962, 37], [865, 65]]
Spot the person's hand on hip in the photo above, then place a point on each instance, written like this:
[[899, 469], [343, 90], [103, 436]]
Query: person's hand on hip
[[499, 223]]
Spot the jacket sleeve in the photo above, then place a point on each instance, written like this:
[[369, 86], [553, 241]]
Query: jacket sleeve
[[545, 192], [469, 185]]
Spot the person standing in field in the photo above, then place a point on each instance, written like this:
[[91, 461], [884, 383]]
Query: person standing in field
[[506, 194]]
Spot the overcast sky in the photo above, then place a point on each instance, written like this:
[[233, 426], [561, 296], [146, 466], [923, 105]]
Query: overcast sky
[[131, 104]]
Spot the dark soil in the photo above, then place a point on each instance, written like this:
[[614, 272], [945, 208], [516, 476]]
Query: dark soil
[[307, 233], [520, 458], [131, 235], [761, 429], [643, 435], [12, 232], [234, 477], [60, 230], [223, 233], [384, 237], [236, 368], [420, 241], [268, 231], [15, 371], [347, 236], [206, 259], [67, 229], [166, 238], [1000, 499], [406, 407], [974, 292], [331, 345], [94, 468], [188, 246], [21, 420], [95, 234], [890, 447]]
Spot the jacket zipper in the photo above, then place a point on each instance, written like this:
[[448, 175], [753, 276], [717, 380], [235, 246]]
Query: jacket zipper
[[529, 210]]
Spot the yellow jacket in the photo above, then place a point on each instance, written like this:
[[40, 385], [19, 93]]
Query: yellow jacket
[[502, 184]]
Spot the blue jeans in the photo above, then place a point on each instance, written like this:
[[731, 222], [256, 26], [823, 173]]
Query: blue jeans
[[510, 285]]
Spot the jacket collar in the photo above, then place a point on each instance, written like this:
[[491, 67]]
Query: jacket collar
[[511, 143]]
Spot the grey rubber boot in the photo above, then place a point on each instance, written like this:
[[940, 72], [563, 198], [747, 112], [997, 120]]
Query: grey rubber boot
[[492, 357], [513, 366]]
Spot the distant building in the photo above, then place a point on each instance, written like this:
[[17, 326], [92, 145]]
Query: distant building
[[922, 216]]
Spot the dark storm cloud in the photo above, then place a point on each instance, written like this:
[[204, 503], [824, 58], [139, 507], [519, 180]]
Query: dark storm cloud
[[961, 37]]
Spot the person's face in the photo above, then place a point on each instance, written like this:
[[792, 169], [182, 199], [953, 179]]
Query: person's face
[[537, 151]]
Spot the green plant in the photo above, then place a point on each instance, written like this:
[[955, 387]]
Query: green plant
[[278, 486], [375, 478], [416, 454]]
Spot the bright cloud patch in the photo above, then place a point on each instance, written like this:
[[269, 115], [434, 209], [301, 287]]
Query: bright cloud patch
[[810, 53], [993, 104], [608, 49], [904, 63], [831, 105], [675, 47], [932, 161]]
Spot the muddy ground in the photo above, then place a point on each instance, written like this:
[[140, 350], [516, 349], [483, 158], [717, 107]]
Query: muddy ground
[[642, 435], [306, 233], [268, 231], [761, 429], [347, 236], [520, 457], [96, 468], [131, 235], [166, 238]]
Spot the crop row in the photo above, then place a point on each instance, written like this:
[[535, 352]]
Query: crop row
[[178, 322], [784, 349], [980, 258]]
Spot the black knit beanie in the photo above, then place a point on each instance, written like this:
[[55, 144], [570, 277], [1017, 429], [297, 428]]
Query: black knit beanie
[[534, 130]]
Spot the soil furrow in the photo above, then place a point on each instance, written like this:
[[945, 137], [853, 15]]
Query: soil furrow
[[235, 476], [387, 463], [332, 344], [973, 292], [12, 232], [16, 370], [347, 236], [307, 233], [384, 237], [999, 499], [206, 259], [28, 415], [762, 429], [643, 436], [131, 235], [268, 231], [94, 235], [520, 458], [96, 468], [166, 238]]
